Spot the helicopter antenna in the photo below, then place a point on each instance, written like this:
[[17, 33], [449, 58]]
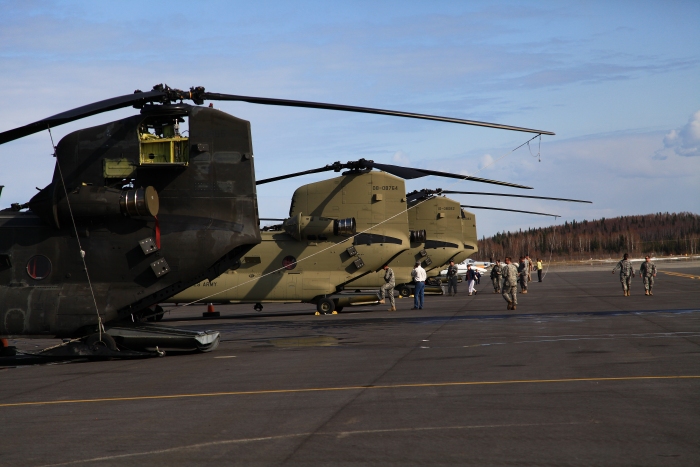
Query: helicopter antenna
[[77, 237]]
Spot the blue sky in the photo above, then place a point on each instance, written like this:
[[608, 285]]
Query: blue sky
[[616, 81]]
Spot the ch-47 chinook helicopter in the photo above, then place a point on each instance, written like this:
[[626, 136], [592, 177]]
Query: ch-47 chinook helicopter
[[449, 234], [441, 231], [309, 257], [136, 213]]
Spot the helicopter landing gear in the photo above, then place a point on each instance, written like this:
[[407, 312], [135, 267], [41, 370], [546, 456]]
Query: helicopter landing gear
[[157, 317], [325, 306], [96, 341], [258, 307], [405, 291]]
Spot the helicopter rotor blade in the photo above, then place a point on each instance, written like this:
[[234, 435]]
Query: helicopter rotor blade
[[425, 172], [367, 110], [514, 196], [403, 172], [511, 210], [327, 168], [81, 112], [165, 94]]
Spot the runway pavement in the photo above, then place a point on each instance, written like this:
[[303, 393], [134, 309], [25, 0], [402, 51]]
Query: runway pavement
[[577, 375]]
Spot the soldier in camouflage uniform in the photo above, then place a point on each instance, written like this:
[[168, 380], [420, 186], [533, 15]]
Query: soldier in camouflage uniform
[[388, 287], [452, 278], [496, 276], [523, 271], [648, 272], [626, 274], [510, 283]]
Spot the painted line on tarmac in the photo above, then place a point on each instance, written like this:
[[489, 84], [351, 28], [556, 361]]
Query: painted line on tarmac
[[564, 338], [349, 388], [680, 274], [337, 434]]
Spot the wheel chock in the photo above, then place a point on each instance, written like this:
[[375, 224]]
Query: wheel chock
[[210, 313]]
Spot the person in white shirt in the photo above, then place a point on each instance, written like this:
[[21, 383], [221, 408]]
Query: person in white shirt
[[419, 277]]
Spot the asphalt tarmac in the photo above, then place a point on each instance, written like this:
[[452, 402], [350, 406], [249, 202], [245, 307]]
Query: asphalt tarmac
[[577, 375]]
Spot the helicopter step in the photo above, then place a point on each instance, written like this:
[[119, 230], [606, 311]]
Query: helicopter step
[[149, 337], [407, 289]]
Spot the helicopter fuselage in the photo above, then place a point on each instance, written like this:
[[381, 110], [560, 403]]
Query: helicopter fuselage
[[304, 265], [109, 183]]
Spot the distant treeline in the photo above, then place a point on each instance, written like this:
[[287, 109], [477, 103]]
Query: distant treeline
[[653, 234]]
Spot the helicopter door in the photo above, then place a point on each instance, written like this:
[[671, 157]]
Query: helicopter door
[[294, 283]]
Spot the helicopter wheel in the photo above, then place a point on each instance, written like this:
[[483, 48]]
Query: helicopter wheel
[[258, 307], [94, 341], [158, 309], [405, 291], [325, 306]]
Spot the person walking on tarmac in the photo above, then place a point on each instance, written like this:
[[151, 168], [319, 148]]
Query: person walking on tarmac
[[471, 279], [452, 278], [523, 271], [419, 277], [648, 272], [539, 270], [510, 283], [626, 274], [496, 276], [388, 287], [530, 268]]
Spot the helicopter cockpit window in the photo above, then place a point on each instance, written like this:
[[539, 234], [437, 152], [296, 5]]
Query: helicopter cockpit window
[[39, 267], [162, 143]]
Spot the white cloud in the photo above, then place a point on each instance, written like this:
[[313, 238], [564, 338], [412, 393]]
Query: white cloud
[[400, 157], [487, 162], [685, 141]]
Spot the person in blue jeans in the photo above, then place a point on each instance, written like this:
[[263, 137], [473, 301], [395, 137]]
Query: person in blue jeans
[[419, 277]]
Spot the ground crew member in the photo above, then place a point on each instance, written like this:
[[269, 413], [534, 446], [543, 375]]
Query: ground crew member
[[510, 283], [419, 277], [648, 272], [496, 276], [452, 278], [471, 279], [626, 274], [530, 268], [388, 287], [539, 270], [523, 271]]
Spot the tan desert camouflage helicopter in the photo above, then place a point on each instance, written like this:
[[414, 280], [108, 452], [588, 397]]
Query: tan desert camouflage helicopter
[[307, 259]]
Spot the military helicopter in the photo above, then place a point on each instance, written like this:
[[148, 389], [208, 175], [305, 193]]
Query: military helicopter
[[448, 233], [306, 259], [439, 236], [136, 213]]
